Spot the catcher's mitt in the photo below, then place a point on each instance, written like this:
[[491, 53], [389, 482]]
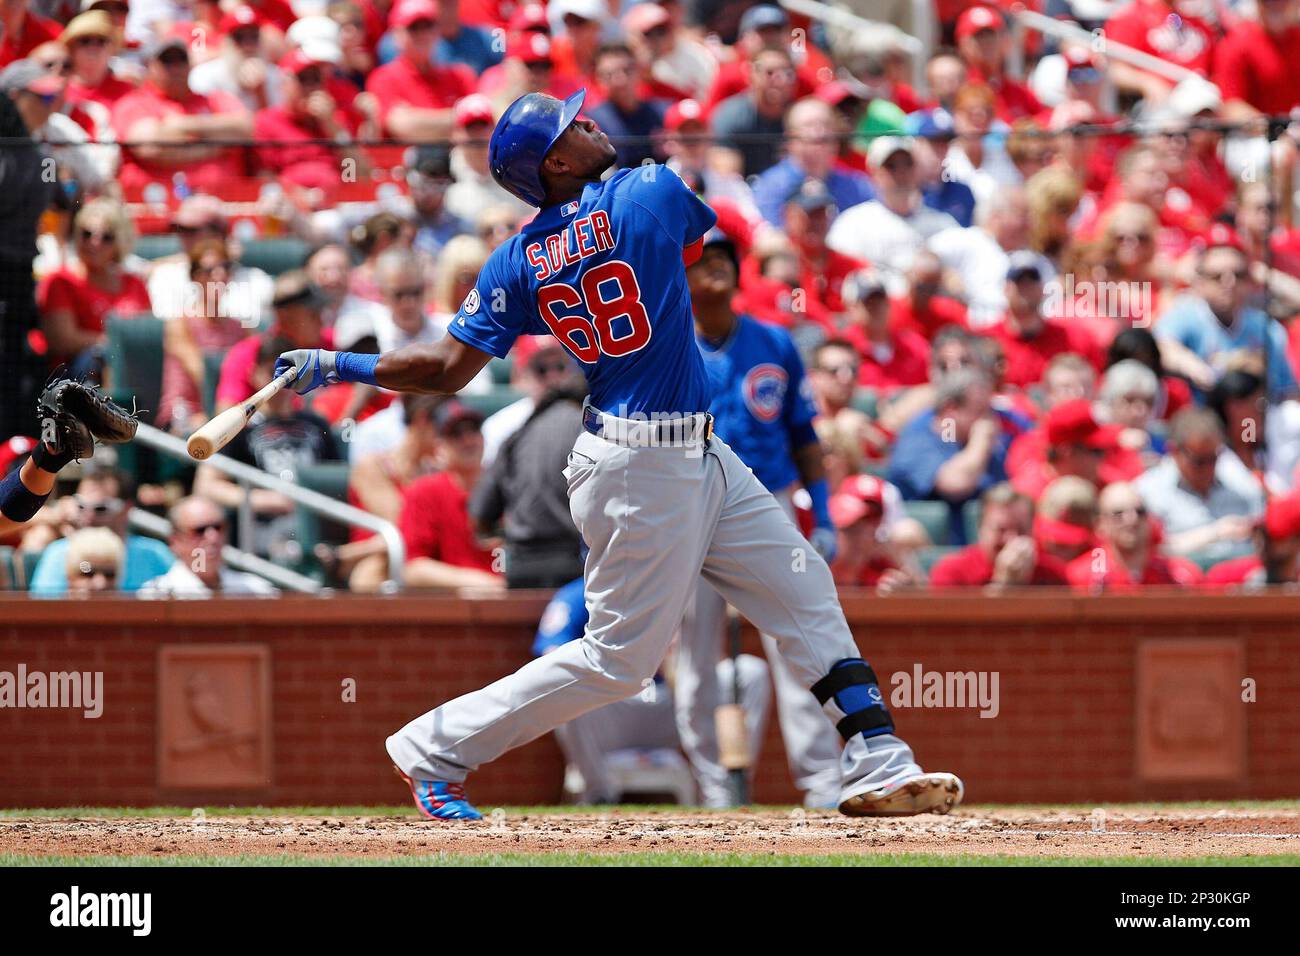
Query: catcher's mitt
[[74, 414]]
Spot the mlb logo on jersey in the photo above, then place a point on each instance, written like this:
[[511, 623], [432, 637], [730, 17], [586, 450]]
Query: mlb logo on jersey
[[764, 390], [568, 209]]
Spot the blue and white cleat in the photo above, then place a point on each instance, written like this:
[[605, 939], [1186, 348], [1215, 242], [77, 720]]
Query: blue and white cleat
[[438, 800]]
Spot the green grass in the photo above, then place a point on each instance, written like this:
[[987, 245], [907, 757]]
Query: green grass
[[639, 859], [406, 810]]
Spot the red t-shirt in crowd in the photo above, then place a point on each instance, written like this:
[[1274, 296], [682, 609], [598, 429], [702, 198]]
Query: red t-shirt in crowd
[[309, 164], [1027, 359], [66, 289], [1106, 571], [236, 381], [106, 94], [277, 12], [938, 312], [869, 575], [1248, 569], [1259, 67], [32, 32], [1014, 99], [148, 101], [402, 83], [1155, 28], [907, 363], [971, 567], [435, 523]]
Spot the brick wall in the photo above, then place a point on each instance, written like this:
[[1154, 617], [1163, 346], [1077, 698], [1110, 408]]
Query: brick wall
[[1075, 700]]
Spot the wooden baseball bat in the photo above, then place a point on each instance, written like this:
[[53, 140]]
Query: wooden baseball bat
[[213, 435]]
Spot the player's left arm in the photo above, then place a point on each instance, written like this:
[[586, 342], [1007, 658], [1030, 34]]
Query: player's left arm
[[22, 493]]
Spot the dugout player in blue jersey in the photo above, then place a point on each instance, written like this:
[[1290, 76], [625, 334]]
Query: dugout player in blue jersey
[[658, 499], [763, 408]]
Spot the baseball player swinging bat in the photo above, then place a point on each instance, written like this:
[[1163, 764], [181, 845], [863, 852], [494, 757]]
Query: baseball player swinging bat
[[658, 499], [214, 434]]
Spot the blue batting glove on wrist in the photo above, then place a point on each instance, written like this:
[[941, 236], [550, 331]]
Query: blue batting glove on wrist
[[316, 367], [824, 542]]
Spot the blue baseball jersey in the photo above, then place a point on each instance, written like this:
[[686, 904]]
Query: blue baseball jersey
[[762, 403], [604, 275]]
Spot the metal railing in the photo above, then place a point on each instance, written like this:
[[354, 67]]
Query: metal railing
[[918, 46], [314, 501]]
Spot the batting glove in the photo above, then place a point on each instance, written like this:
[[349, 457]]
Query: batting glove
[[824, 543], [316, 367]]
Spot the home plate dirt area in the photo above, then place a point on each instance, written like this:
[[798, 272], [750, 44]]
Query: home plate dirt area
[[1032, 833]]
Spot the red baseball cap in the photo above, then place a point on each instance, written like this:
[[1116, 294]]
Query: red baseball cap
[[1071, 423], [976, 19], [855, 498], [295, 61], [644, 17], [681, 113], [475, 108], [531, 16], [241, 16], [406, 12], [1282, 517], [529, 48], [1221, 234], [837, 91], [1054, 531], [14, 449]]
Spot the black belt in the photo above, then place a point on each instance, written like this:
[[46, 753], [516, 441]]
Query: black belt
[[669, 432]]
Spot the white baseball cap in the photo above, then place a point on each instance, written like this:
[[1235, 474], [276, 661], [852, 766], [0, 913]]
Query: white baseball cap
[[882, 147]]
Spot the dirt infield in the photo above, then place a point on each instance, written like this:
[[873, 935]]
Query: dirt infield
[[1030, 832]]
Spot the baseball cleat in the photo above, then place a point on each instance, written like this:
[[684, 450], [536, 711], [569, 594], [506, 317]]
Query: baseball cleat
[[926, 793], [438, 800]]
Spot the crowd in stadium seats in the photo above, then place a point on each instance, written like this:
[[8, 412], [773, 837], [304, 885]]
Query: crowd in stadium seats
[[1045, 296]]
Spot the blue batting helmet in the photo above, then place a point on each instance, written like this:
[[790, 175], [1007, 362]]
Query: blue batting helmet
[[523, 136]]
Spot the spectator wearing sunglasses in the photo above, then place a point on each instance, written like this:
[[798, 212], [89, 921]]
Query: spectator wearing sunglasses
[[415, 93], [93, 562], [1213, 328], [308, 112], [1206, 500], [203, 331], [76, 300], [89, 41], [102, 500], [38, 87], [429, 178], [1275, 556], [174, 127], [198, 218], [1127, 557], [241, 69], [197, 538]]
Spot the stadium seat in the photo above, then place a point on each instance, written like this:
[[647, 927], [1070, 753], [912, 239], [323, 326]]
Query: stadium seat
[[211, 377], [7, 568], [25, 567], [929, 557], [275, 256], [933, 516], [328, 478], [501, 369], [866, 401], [970, 518], [134, 359], [157, 246], [491, 402]]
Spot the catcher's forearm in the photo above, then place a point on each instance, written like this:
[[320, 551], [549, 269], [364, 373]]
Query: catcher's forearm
[[22, 493]]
